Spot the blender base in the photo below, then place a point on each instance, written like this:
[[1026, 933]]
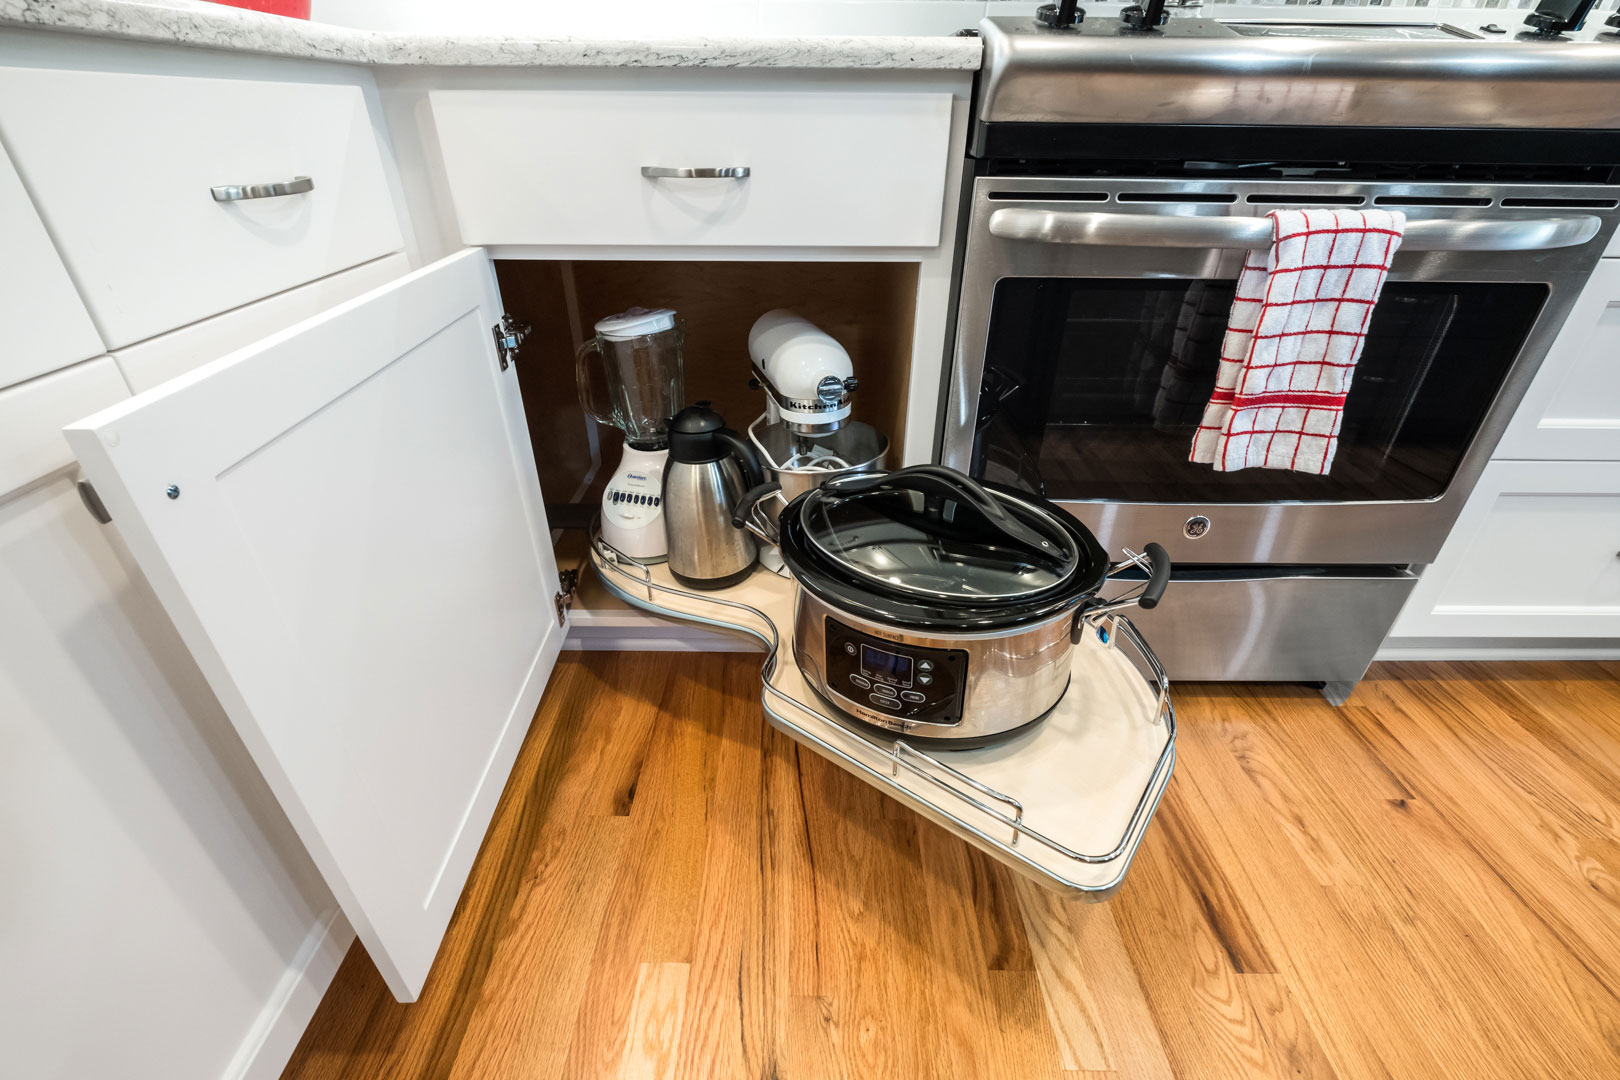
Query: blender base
[[632, 506]]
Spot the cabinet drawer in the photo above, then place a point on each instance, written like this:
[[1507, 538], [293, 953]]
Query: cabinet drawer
[[1572, 410], [46, 326], [824, 169], [1534, 554], [121, 168]]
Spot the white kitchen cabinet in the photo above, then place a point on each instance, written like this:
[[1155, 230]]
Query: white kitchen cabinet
[[345, 525], [121, 167], [1534, 554], [46, 325], [825, 169], [1572, 409], [157, 905]]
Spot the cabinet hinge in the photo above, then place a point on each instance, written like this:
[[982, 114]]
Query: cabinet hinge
[[509, 335], [92, 502], [568, 582]]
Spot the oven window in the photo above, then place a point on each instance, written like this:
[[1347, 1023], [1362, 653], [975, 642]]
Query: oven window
[[1093, 389]]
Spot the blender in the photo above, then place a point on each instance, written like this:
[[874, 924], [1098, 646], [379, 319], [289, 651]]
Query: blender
[[640, 351]]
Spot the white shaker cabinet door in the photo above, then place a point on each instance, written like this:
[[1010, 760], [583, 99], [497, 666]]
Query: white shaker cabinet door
[[1572, 409], [345, 523]]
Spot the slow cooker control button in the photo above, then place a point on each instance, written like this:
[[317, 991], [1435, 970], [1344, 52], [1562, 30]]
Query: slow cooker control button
[[862, 682], [886, 691], [924, 680], [849, 647], [885, 702], [925, 665], [911, 695]]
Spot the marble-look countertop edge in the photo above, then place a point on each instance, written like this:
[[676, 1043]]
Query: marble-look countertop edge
[[183, 22]]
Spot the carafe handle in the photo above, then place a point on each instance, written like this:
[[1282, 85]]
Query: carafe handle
[[743, 451], [582, 375]]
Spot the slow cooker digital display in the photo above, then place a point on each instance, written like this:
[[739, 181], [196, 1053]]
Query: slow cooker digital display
[[887, 666]]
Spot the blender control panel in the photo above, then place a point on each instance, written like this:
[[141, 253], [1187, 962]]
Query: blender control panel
[[905, 682], [634, 498]]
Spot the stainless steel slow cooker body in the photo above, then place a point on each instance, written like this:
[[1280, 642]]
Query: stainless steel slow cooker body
[[934, 607], [1002, 679]]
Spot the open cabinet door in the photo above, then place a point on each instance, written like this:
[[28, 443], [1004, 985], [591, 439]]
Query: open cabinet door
[[345, 523]]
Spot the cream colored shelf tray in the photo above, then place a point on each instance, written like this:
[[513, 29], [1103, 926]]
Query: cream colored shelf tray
[[1066, 802]]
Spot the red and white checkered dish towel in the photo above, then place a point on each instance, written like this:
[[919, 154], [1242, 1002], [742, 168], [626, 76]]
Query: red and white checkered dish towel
[[1295, 333]]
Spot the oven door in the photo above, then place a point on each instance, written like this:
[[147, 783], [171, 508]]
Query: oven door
[[1089, 330]]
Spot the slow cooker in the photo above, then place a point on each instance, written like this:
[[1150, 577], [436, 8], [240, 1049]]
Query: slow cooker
[[940, 608]]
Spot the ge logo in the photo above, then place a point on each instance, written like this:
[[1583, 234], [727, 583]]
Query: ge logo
[[1196, 526]]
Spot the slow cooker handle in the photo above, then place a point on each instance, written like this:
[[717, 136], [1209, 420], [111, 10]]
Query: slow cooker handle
[[742, 515], [1148, 599], [947, 483], [1158, 579]]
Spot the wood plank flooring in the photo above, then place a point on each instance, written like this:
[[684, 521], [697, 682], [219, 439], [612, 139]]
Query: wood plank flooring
[[1424, 883]]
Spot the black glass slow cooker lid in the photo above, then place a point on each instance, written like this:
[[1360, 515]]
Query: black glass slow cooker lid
[[927, 547], [931, 532]]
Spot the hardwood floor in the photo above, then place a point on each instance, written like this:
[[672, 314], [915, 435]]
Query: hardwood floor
[[1424, 883]]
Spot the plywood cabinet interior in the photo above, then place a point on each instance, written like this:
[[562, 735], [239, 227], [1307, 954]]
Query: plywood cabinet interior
[[868, 306]]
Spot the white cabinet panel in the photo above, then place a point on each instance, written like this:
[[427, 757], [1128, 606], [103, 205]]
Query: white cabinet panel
[[160, 359], [1535, 553], [33, 414], [826, 169], [121, 167], [345, 523], [1572, 409], [46, 326]]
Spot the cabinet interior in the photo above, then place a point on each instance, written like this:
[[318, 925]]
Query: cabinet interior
[[869, 307]]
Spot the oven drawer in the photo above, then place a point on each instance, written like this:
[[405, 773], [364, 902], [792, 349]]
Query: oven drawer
[[1281, 625], [122, 168], [823, 169]]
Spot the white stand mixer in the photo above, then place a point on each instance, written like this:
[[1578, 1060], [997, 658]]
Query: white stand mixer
[[806, 436]]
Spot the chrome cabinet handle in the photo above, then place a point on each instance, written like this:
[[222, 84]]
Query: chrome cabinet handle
[[234, 192], [728, 172], [1254, 233]]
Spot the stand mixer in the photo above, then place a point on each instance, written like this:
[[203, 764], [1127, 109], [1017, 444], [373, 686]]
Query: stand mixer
[[642, 367], [807, 378], [805, 436]]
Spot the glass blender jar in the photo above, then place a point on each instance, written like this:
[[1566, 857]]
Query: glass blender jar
[[640, 351]]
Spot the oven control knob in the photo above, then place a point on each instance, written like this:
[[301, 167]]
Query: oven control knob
[[1137, 17], [1196, 526], [1060, 16]]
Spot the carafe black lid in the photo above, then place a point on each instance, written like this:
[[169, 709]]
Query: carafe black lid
[[692, 435]]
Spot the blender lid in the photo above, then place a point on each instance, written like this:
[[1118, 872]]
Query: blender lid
[[636, 322], [900, 540]]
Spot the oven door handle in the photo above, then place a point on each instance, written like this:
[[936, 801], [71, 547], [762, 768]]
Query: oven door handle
[[1254, 233]]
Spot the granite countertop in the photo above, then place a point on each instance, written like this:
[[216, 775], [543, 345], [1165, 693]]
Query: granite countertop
[[214, 26]]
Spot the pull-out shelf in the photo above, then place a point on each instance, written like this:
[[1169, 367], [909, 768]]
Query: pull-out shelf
[[1066, 802]]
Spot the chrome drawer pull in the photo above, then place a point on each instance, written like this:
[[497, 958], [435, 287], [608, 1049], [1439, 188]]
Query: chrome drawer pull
[[1166, 230], [728, 172], [234, 192]]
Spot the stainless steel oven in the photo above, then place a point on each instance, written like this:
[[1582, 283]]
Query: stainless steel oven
[[1095, 288]]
